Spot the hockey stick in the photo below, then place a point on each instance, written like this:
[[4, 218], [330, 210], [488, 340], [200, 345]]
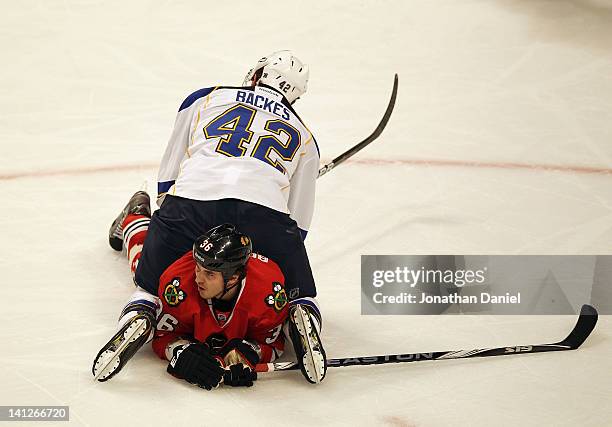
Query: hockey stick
[[354, 150], [584, 326]]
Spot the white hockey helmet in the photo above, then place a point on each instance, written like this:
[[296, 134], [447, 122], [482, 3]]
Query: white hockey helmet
[[282, 71]]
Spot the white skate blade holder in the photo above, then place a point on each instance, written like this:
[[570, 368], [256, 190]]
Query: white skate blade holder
[[110, 359], [313, 360]]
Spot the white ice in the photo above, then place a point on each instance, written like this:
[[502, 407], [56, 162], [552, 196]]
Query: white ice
[[491, 93]]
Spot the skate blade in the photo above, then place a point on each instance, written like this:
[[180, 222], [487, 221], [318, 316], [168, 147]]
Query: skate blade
[[313, 360], [110, 359]]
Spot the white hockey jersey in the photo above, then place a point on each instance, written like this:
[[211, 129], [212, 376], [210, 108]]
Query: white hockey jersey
[[242, 143]]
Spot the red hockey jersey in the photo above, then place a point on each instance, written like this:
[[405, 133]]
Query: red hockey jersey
[[257, 315]]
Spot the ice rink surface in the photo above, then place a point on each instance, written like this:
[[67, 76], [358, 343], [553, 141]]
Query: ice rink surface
[[500, 143]]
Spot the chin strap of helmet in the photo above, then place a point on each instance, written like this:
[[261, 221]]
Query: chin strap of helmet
[[227, 277]]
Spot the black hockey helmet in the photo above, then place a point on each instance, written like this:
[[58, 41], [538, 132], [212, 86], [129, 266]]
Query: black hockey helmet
[[223, 249]]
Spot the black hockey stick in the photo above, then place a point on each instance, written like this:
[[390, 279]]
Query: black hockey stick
[[584, 326], [381, 126]]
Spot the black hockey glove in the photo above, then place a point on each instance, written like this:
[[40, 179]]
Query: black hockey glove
[[195, 364], [240, 351], [239, 375]]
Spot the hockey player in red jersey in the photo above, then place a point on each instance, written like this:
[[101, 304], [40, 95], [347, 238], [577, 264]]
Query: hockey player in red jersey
[[222, 310], [227, 303]]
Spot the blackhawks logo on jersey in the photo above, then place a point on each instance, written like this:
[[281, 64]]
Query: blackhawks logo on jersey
[[172, 294], [278, 299]]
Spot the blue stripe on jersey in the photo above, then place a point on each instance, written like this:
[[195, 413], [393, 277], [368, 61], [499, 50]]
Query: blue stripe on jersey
[[303, 233], [195, 96], [163, 187]]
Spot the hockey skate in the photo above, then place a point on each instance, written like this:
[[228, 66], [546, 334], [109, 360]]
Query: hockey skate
[[304, 333], [122, 346], [139, 204]]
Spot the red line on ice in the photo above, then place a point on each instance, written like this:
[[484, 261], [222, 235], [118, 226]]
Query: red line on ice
[[76, 171], [376, 162], [492, 165]]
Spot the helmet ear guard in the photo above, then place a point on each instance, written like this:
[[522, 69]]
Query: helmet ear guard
[[256, 75]]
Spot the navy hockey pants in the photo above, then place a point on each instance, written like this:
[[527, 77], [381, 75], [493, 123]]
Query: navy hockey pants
[[176, 225]]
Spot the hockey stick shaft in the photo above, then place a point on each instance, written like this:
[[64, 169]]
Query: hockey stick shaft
[[360, 146], [584, 326]]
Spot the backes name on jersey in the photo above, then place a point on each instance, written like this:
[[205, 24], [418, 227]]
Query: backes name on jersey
[[264, 103]]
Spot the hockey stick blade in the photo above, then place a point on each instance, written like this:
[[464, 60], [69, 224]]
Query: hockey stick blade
[[585, 325], [381, 126], [581, 331]]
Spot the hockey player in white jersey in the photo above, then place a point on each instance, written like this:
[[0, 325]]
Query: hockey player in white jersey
[[240, 155]]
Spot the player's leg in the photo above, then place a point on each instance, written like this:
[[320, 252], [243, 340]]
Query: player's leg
[[137, 320], [303, 329], [172, 231], [136, 327], [277, 236], [139, 206], [165, 240]]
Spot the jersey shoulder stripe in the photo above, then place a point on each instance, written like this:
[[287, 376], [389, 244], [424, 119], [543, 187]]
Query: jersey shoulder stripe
[[201, 93]]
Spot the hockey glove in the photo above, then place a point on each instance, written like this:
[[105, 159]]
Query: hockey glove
[[194, 363], [240, 351], [239, 375]]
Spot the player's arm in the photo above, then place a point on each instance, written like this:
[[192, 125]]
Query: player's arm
[[262, 345], [171, 331], [302, 186], [263, 342], [177, 148], [270, 339], [188, 359]]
